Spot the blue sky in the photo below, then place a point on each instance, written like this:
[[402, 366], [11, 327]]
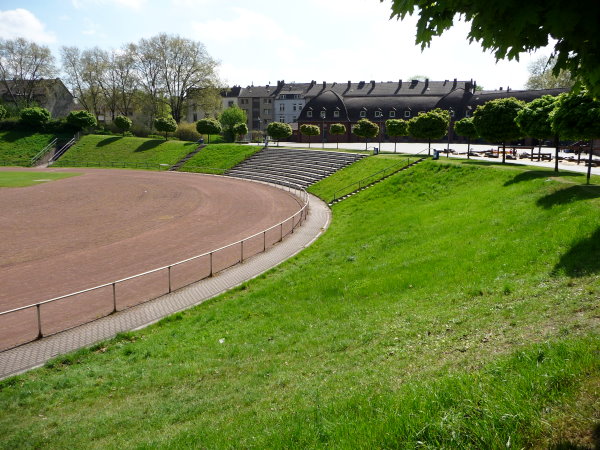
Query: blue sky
[[262, 41]]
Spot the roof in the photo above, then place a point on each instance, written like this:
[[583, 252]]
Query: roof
[[258, 91], [481, 97], [40, 86]]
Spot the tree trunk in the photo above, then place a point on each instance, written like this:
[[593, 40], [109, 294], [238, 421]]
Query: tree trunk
[[309, 141], [589, 171], [395, 142], [366, 143], [337, 142], [468, 148], [429, 148], [503, 152], [556, 153]]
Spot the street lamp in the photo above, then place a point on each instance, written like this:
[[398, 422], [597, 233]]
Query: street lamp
[[380, 127], [323, 114]]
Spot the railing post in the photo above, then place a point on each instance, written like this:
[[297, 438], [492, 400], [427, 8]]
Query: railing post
[[169, 270], [242, 251], [39, 319], [264, 240], [211, 264], [293, 224], [114, 298], [281, 232]]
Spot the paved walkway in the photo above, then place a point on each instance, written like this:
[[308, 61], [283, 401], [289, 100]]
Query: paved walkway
[[36, 353]]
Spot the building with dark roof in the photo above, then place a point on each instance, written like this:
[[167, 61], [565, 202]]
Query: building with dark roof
[[51, 94]]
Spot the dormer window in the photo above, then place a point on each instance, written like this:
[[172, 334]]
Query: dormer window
[[308, 113], [323, 114], [392, 113], [407, 114], [336, 114], [378, 114], [363, 113]]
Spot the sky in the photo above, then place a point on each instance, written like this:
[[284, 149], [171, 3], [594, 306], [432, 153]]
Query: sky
[[262, 41]]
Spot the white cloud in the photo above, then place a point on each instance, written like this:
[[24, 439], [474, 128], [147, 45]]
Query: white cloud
[[22, 23], [91, 28], [130, 4]]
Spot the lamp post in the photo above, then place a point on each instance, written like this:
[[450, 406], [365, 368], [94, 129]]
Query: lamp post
[[380, 127], [323, 114], [451, 113]]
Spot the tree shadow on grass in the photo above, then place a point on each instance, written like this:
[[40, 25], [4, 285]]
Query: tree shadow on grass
[[582, 259], [149, 145], [566, 445], [108, 141], [569, 195], [535, 174]]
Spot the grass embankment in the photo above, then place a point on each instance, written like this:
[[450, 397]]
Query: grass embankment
[[116, 151], [22, 179], [344, 181], [452, 305], [18, 147], [219, 156]]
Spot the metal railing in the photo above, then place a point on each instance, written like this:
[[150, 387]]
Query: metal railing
[[34, 321], [43, 151], [65, 147], [355, 186]]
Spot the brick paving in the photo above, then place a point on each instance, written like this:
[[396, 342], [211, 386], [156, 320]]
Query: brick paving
[[36, 353]]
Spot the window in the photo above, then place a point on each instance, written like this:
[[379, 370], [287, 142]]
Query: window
[[392, 113], [308, 113], [282, 119], [266, 111], [295, 118], [378, 114], [451, 112], [230, 103], [406, 113], [363, 113], [281, 107], [336, 114], [195, 116], [294, 107], [323, 114], [267, 100]]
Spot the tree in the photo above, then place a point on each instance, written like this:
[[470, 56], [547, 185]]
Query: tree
[[229, 118], [508, 29], [122, 123], [81, 119], [35, 116], [541, 75], [366, 129], [395, 128], [172, 67], [279, 131], [429, 125], [309, 130], [534, 121], [3, 112], [22, 65], [577, 116], [337, 129], [495, 121], [240, 130], [166, 124], [465, 127], [208, 126], [85, 71]]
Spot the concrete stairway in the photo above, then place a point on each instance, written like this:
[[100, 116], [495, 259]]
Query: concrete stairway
[[183, 160], [292, 167]]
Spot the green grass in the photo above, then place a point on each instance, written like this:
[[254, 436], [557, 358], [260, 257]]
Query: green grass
[[450, 306], [117, 151], [342, 182], [18, 147], [219, 156], [22, 179]]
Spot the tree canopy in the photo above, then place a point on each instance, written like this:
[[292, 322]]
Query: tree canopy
[[165, 124], [465, 127], [208, 126], [279, 130], [240, 129], [429, 125], [365, 129], [229, 118], [122, 123], [336, 129], [309, 130], [534, 118], [541, 75], [35, 116], [81, 119], [396, 128], [512, 27]]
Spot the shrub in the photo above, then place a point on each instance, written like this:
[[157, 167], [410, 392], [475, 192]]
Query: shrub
[[166, 125], [35, 117], [122, 123], [229, 119], [3, 112], [257, 136], [187, 132], [208, 126], [240, 130], [140, 130], [279, 131], [81, 119]]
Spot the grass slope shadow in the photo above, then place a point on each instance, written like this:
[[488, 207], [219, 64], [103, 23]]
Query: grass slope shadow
[[582, 259], [535, 174], [149, 145], [569, 195], [108, 141]]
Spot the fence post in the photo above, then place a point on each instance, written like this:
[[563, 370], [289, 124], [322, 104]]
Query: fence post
[[39, 319], [114, 298], [242, 251], [264, 240], [281, 232], [169, 269], [211, 264]]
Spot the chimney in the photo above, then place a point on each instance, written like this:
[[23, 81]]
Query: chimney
[[372, 83], [426, 83], [324, 84], [500, 88], [399, 86], [454, 84], [312, 83]]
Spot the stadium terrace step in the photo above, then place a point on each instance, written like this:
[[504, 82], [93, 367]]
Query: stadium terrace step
[[293, 166]]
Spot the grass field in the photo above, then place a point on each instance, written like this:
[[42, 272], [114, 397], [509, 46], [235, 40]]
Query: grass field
[[343, 180], [219, 156], [450, 306], [18, 147], [22, 179], [117, 151]]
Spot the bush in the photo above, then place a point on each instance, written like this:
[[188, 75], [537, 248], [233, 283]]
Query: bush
[[240, 130], [35, 117], [140, 130], [60, 126], [11, 123], [187, 132], [3, 112], [122, 123], [81, 119], [257, 136]]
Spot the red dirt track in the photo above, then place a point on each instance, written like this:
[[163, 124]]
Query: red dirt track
[[72, 234]]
